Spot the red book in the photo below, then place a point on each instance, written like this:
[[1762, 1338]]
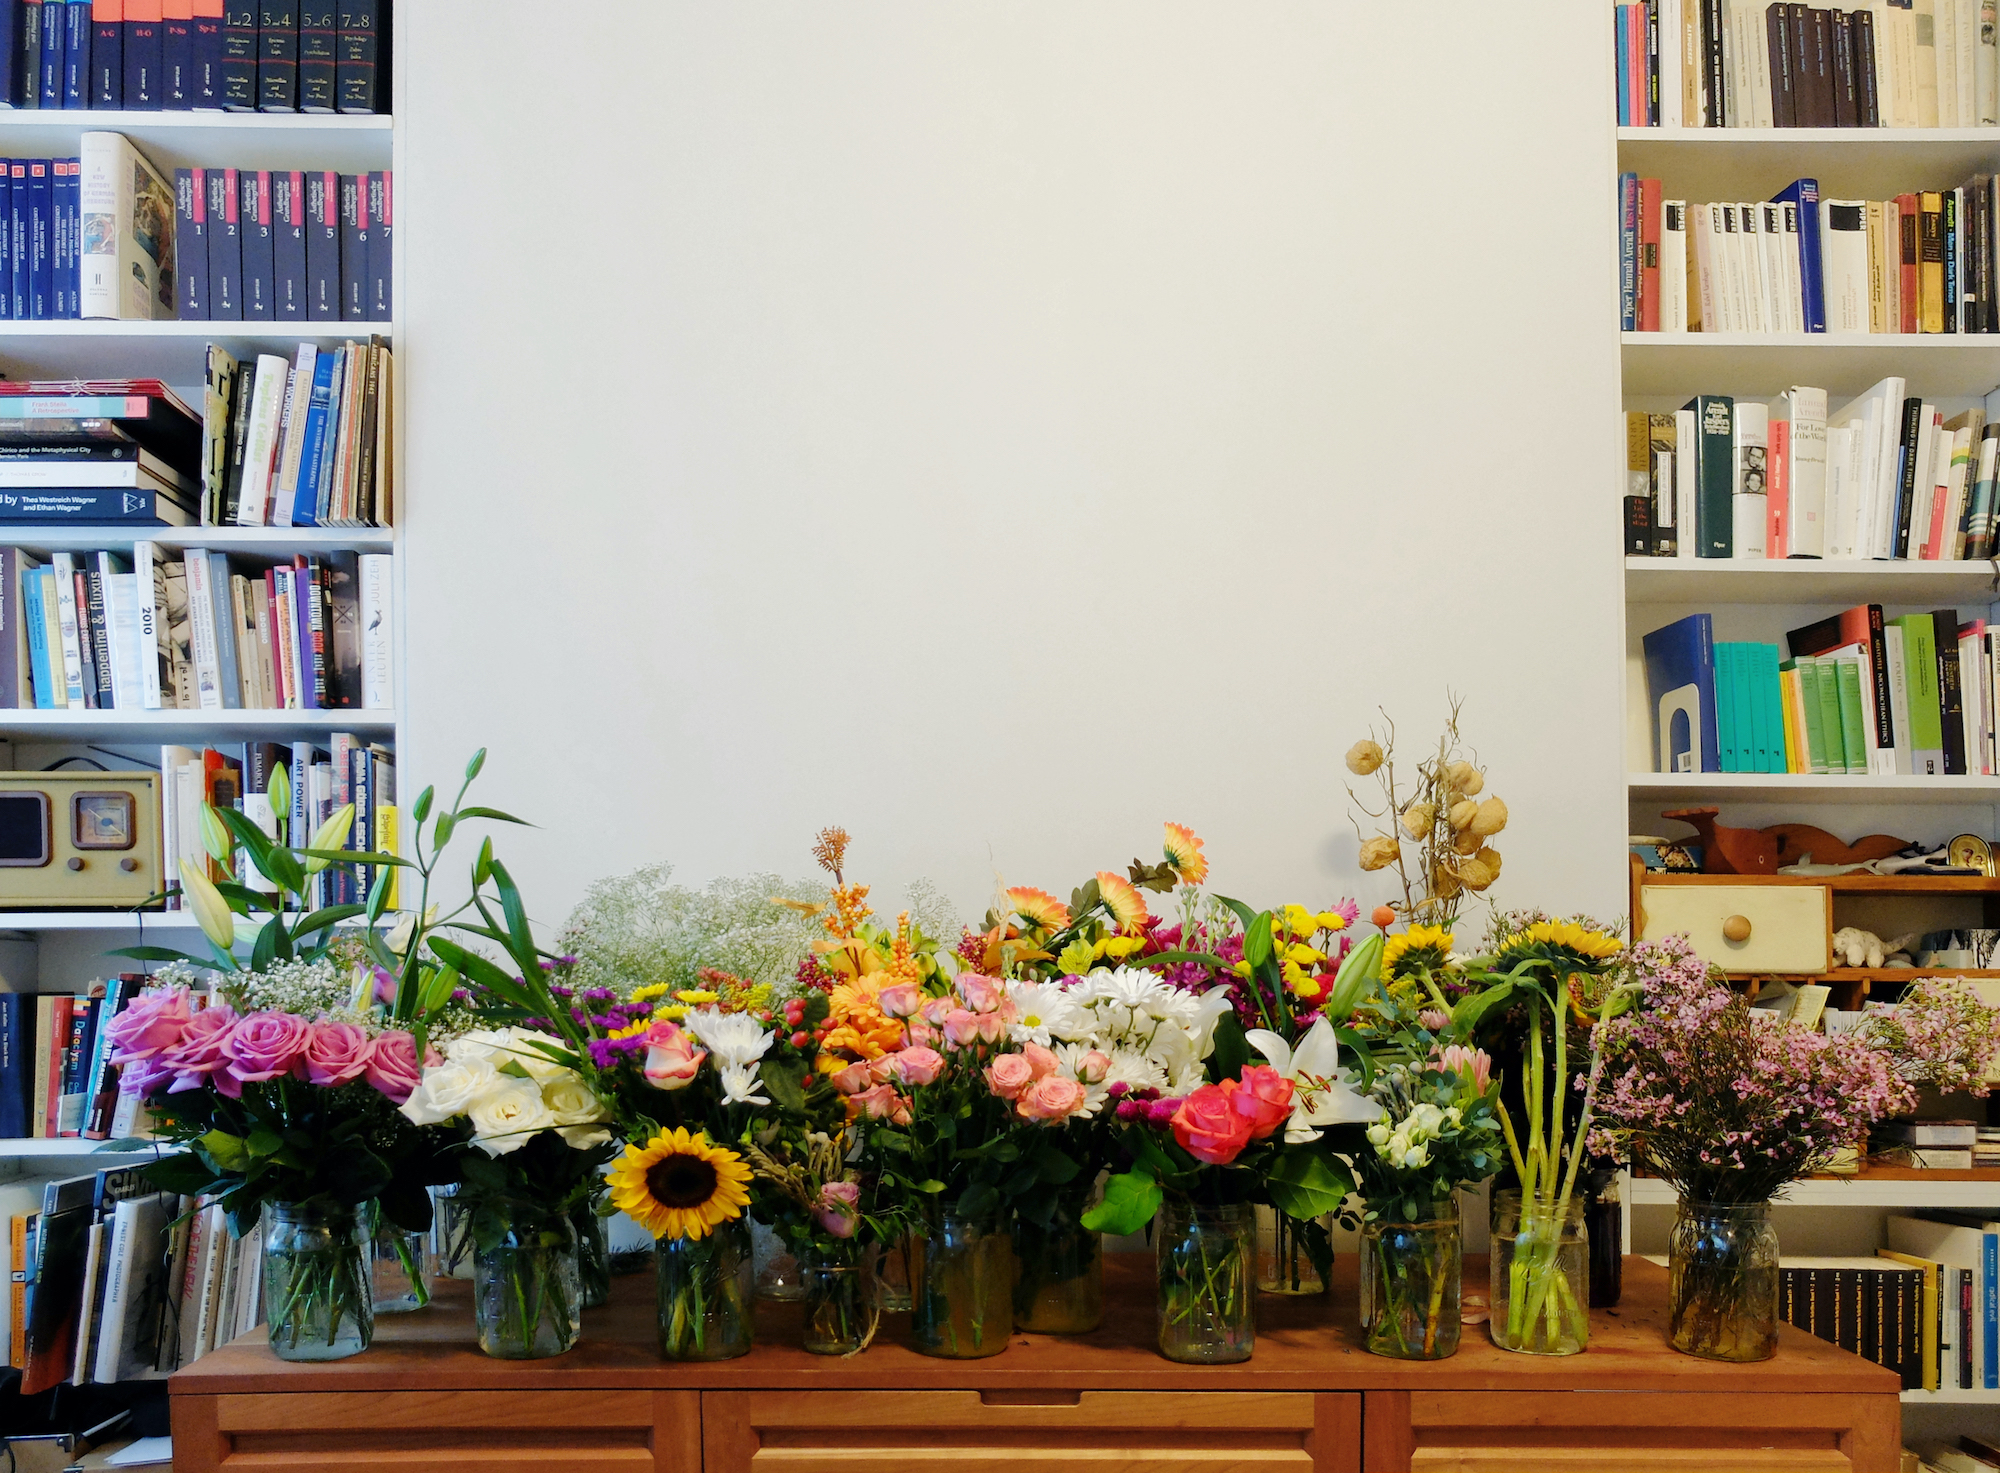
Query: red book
[[1649, 255], [1778, 488], [1907, 223], [56, 1048], [1638, 70]]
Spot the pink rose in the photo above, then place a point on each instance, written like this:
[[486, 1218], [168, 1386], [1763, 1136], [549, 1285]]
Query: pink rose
[[900, 1001], [265, 1045], [936, 1011], [963, 1029], [199, 1056], [1264, 1099], [919, 1034], [1040, 1060], [1207, 1128], [336, 1053], [1053, 1098], [839, 1210], [1093, 1066], [917, 1065], [854, 1078], [1009, 1075], [672, 1060], [880, 1102], [392, 1066], [981, 994], [150, 1024], [882, 1069]]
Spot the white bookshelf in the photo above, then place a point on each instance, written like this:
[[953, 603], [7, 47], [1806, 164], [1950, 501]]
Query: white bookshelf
[[1715, 580], [1936, 365], [1798, 787], [1896, 1193]]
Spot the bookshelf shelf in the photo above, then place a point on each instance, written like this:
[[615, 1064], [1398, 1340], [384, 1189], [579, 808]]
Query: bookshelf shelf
[[1878, 1189], [1853, 163], [1681, 364], [275, 542], [1848, 884], [172, 351], [95, 920], [19, 1147], [180, 140], [1778, 787], [1841, 583], [191, 727]]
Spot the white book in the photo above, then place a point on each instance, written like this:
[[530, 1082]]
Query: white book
[[1705, 226], [257, 808], [1846, 519], [1687, 488], [1972, 701], [378, 631], [1881, 507], [66, 621], [214, 1258], [1671, 110], [1899, 698], [172, 759], [1946, 21], [1788, 255], [204, 649], [133, 1285], [260, 448], [1884, 222], [1735, 63], [1840, 442], [292, 434], [1844, 259], [188, 1290], [1952, 546], [1771, 234], [90, 1307], [121, 630], [1805, 524], [1965, 59], [1901, 29], [1758, 298], [156, 670], [1749, 501], [1990, 662], [1758, 67], [1742, 266], [1986, 64], [1673, 281], [125, 266]]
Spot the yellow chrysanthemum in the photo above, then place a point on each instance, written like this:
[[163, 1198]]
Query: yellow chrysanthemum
[[1118, 947], [1589, 945], [1304, 955], [695, 997], [1184, 854], [1428, 946], [1125, 903], [1331, 920], [632, 1030], [649, 992], [1038, 907], [680, 1185]]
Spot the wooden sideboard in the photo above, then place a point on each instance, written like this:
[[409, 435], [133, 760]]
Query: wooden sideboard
[[1310, 1400]]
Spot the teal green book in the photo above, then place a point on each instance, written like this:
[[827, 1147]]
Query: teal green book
[[1835, 750], [1745, 669], [1920, 677], [1725, 706], [1771, 715], [1853, 734]]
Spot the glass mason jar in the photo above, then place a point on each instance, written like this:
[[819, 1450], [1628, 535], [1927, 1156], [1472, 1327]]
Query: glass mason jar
[[961, 1287], [399, 1263], [1722, 1281], [1604, 1220], [593, 1256], [1409, 1285], [1206, 1266], [706, 1286], [892, 1276], [453, 1226], [1283, 1264], [1058, 1275], [1540, 1285], [317, 1295], [839, 1293], [526, 1300]]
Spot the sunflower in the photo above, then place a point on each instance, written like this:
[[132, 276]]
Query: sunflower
[[1184, 854], [1038, 908], [1563, 945], [1127, 908], [680, 1185], [1420, 946]]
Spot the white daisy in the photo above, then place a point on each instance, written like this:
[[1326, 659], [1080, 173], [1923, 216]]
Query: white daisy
[[740, 1084], [1045, 1013]]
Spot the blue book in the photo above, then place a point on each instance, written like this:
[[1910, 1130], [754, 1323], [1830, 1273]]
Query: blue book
[[254, 192], [225, 631], [1804, 193], [208, 54], [191, 244], [107, 59], [319, 410], [6, 241], [1628, 252], [34, 589], [55, 24], [17, 233], [17, 1066], [76, 54], [64, 181], [41, 239], [10, 53], [353, 248], [145, 54], [1989, 1278], [225, 248], [1681, 688], [288, 244], [177, 61], [117, 992], [1771, 714], [1624, 66], [323, 246]]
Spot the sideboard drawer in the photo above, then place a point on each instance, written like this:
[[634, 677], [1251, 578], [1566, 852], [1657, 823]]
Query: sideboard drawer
[[1791, 926], [967, 1432]]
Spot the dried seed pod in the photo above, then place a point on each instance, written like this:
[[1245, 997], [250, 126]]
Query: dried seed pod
[[1418, 819], [1474, 874], [1491, 817], [1364, 757], [1464, 778], [1462, 813], [1379, 852], [1489, 860], [1467, 842]]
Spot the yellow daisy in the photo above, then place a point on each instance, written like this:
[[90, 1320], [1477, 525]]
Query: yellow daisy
[[680, 1185], [1038, 907], [1427, 946]]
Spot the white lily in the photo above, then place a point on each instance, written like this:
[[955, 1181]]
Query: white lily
[[1320, 1096]]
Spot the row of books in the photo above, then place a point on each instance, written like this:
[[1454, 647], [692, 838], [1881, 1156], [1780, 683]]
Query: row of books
[[1916, 694], [304, 442], [264, 245], [314, 56], [56, 1075], [1970, 1454], [1919, 262], [288, 791], [1937, 1145], [1745, 64], [1885, 475], [1871, 1307], [1957, 1258], [101, 632]]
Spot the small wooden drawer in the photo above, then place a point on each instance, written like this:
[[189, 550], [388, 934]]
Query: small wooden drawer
[[1790, 927]]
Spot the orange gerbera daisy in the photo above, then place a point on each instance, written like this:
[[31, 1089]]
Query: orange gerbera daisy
[[1124, 902], [1038, 908], [859, 1025], [1184, 854]]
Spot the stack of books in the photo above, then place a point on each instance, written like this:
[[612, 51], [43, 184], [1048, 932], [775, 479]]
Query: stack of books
[[1958, 1254], [1931, 1145], [1870, 1307], [56, 1078], [1735, 64], [1986, 1146], [105, 451], [283, 245], [195, 54], [1860, 693]]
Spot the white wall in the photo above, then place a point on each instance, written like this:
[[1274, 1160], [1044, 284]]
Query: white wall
[[1000, 427]]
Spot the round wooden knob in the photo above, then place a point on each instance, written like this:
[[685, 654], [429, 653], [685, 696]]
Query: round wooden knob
[[1736, 928], [128, 864], [75, 862]]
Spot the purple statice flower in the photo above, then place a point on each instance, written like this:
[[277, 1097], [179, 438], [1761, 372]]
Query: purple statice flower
[[597, 994]]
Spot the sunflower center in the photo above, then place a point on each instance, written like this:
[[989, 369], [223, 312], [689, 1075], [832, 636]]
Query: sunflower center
[[681, 1181]]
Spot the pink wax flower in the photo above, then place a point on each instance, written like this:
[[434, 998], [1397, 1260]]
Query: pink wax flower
[[151, 1023], [265, 1045], [336, 1053], [1051, 1098], [392, 1066], [839, 1210], [1009, 1076]]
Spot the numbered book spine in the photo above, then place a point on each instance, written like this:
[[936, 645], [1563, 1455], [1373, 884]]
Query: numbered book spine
[[225, 247], [353, 248], [191, 242], [239, 55], [381, 246], [143, 54], [360, 53], [278, 57], [319, 42], [259, 245], [323, 246], [207, 54], [288, 245]]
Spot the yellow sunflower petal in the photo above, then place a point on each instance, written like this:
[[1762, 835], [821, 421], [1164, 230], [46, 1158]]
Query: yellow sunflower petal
[[1126, 906], [1184, 854]]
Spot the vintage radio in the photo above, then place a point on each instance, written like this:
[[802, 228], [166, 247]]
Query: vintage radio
[[79, 838]]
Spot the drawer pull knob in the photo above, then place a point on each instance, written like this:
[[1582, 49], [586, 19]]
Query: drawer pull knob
[[1736, 928]]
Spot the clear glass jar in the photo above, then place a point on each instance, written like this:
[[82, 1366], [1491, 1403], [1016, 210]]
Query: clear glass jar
[[526, 1300], [840, 1307], [961, 1287], [593, 1256], [453, 1226], [1410, 1285], [1604, 1220], [1284, 1266], [1206, 1265], [400, 1263], [1540, 1284], [706, 1286], [1722, 1281], [318, 1301], [1058, 1275], [892, 1276]]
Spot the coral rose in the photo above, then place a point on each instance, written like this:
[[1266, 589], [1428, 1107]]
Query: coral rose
[[672, 1060], [1208, 1129], [1264, 1098], [1053, 1098], [1009, 1076], [1040, 1060]]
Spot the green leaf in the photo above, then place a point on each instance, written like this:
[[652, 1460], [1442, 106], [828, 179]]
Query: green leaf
[[784, 1081], [286, 871], [1243, 912], [1471, 1008], [482, 867], [158, 954], [225, 1150], [421, 809], [319, 920], [437, 992], [1021, 1180], [482, 971], [494, 814], [1355, 1044], [978, 1199], [1303, 1185], [521, 936], [1056, 1167], [182, 1173], [1232, 1049], [263, 1141], [355, 856], [1131, 1200], [266, 950]]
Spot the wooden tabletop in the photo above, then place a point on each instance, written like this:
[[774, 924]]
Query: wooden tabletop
[[1303, 1344]]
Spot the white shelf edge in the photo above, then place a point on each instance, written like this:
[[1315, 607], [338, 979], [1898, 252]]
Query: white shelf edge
[[1718, 137], [1807, 568], [1964, 342], [225, 539], [90, 120], [1805, 782], [1644, 1191], [96, 920], [22, 1147], [174, 327]]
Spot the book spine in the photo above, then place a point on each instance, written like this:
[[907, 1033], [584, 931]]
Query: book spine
[[107, 53], [259, 229], [323, 280], [144, 52], [278, 57], [1951, 707], [76, 54], [207, 54], [381, 247], [361, 52], [191, 242], [319, 35], [353, 248], [238, 73], [225, 247], [288, 250], [378, 633], [177, 54], [54, 27]]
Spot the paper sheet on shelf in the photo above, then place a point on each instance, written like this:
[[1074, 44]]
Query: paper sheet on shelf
[[146, 1450]]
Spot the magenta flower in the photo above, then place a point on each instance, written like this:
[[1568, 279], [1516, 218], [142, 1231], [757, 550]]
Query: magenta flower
[[151, 1023], [199, 1057], [392, 1067], [839, 1210]]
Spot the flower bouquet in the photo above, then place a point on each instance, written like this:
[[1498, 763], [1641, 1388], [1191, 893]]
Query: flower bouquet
[[537, 1136], [1730, 1109]]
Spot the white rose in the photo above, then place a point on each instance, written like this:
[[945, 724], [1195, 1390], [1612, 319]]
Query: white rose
[[1378, 1135], [482, 1044], [524, 1049], [570, 1100], [447, 1089], [1417, 1155], [583, 1137], [509, 1112]]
